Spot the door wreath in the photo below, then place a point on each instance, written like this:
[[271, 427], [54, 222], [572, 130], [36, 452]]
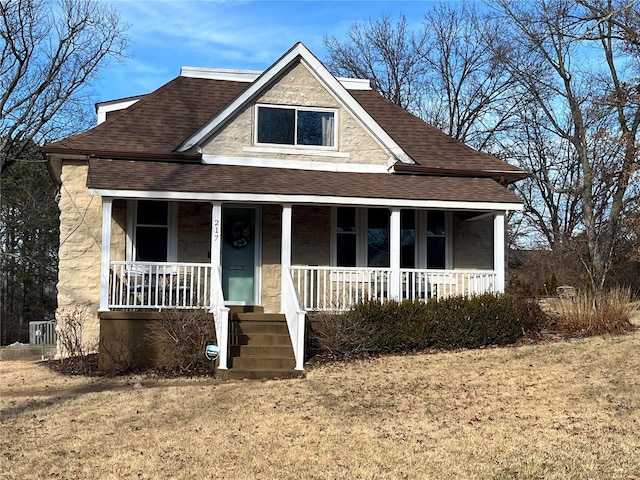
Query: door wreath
[[237, 232]]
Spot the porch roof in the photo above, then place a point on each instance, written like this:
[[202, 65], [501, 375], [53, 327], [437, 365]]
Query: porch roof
[[201, 182]]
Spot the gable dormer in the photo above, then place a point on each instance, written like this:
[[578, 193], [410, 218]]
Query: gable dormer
[[297, 112]]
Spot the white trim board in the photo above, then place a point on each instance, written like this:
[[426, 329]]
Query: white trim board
[[239, 75], [294, 164], [305, 200]]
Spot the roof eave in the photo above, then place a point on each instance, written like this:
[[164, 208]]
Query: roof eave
[[504, 177]]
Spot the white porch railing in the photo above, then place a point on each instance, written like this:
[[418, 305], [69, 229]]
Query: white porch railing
[[295, 316], [159, 285], [338, 288], [424, 284]]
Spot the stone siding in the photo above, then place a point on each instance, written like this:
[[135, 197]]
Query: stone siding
[[271, 266], [298, 87], [311, 245], [80, 249], [194, 232]]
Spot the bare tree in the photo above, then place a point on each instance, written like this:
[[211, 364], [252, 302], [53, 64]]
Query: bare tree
[[448, 72], [386, 53], [50, 51], [578, 67], [467, 92]]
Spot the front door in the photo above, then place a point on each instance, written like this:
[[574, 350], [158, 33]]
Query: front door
[[239, 255]]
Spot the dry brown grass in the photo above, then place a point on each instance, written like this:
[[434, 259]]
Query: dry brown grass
[[610, 312], [560, 410]]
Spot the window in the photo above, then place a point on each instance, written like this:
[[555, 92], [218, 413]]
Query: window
[[377, 237], [436, 239], [346, 237], [407, 239], [296, 126], [150, 230]]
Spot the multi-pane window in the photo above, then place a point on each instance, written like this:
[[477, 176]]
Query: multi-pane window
[[151, 231], [295, 126], [346, 237], [407, 239], [436, 239], [363, 238], [378, 237]]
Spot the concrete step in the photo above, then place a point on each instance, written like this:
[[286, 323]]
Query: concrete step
[[245, 309], [255, 374], [262, 351], [263, 363], [260, 346], [248, 328], [261, 339], [258, 317]]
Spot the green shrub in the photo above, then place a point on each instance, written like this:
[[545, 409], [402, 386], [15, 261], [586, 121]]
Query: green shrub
[[455, 322]]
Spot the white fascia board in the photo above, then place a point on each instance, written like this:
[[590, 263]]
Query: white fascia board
[[106, 107], [257, 86], [293, 164], [342, 95], [304, 200], [220, 74], [325, 77], [238, 75], [355, 83]]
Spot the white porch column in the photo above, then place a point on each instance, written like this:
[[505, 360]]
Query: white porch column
[[220, 312], [394, 253], [107, 204], [216, 234], [498, 250], [285, 250]]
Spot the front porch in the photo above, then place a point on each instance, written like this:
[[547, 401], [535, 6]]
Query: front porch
[[164, 285], [291, 259]]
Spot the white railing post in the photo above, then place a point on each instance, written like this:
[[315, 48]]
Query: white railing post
[[498, 251], [107, 204], [394, 253]]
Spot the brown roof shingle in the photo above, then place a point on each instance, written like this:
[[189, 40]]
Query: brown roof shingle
[[199, 178], [158, 123]]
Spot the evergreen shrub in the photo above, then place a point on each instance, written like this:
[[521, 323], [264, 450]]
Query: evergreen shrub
[[455, 322]]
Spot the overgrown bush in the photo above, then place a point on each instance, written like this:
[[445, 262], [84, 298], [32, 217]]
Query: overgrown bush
[[455, 322], [69, 329], [589, 314], [181, 336]]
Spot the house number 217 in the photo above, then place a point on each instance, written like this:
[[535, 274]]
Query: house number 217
[[216, 230]]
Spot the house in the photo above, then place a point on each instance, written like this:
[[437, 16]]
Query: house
[[265, 196]]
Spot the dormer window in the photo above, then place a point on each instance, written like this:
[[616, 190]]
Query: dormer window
[[297, 126]]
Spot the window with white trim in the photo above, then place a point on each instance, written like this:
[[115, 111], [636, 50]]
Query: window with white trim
[[152, 237], [298, 126], [436, 239], [362, 238]]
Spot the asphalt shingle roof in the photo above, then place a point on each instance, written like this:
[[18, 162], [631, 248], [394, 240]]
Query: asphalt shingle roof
[[199, 178], [150, 130]]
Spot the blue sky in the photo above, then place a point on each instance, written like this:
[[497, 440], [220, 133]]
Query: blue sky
[[167, 34]]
